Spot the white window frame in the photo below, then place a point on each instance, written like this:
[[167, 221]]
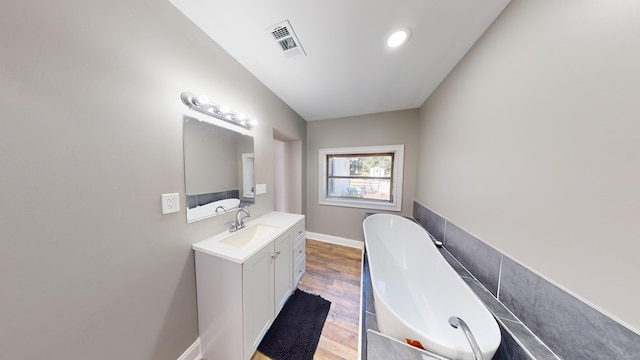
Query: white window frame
[[398, 164]]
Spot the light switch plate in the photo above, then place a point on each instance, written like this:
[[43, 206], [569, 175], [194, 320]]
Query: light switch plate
[[261, 189], [170, 203]]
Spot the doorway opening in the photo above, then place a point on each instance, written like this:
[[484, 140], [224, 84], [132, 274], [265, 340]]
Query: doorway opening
[[287, 161]]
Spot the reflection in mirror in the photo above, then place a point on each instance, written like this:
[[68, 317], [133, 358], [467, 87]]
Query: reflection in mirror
[[218, 170]]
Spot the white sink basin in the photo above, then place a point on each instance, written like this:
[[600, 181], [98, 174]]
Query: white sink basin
[[241, 245], [250, 235]]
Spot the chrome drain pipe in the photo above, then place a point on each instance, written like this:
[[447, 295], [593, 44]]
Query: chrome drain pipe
[[456, 322]]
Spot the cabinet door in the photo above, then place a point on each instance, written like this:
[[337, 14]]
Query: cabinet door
[[283, 269], [257, 298]]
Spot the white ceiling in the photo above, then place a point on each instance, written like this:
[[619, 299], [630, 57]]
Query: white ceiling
[[348, 69]]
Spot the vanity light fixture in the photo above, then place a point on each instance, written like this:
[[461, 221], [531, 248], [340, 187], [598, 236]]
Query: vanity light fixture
[[222, 112], [398, 37]]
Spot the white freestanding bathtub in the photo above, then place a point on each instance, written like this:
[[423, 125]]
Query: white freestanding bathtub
[[416, 291]]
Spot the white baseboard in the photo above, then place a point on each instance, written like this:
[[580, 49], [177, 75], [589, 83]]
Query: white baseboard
[[193, 352], [335, 240]]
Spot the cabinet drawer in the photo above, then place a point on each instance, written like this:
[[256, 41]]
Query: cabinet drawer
[[298, 270], [298, 251], [298, 231]]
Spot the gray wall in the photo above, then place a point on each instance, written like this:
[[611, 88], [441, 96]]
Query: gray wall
[[396, 127], [91, 135], [532, 144]]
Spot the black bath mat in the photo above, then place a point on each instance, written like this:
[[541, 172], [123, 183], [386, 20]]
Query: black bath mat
[[295, 333]]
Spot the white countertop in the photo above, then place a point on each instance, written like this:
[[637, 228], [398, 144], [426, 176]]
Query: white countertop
[[214, 246]]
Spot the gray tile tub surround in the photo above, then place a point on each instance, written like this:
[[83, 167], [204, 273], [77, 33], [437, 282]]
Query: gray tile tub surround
[[367, 288], [567, 325], [528, 344], [434, 223], [367, 312], [382, 347], [517, 342], [203, 199], [509, 348], [416, 211], [570, 327], [480, 259]]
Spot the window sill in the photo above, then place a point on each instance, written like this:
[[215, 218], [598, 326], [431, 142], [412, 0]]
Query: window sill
[[373, 205]]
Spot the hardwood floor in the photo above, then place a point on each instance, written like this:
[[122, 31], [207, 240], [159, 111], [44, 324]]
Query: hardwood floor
[[333, 272]]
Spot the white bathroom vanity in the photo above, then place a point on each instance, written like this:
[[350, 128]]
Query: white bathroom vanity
[[243, 279]]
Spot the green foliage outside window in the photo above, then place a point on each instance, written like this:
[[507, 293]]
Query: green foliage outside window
[[362, 165]]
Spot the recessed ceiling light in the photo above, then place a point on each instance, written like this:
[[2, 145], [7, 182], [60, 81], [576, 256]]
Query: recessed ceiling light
[[398, 37]]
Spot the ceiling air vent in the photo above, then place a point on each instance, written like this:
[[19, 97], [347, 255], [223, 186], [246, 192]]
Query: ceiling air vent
[[283, 34]]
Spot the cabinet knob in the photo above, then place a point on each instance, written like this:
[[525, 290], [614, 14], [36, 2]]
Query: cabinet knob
[[277, 252]]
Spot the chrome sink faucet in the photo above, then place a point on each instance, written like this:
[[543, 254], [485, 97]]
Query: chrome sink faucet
[[239, 222]]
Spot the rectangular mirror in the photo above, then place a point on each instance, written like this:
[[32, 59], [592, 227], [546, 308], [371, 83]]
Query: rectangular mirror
[[219, 172]]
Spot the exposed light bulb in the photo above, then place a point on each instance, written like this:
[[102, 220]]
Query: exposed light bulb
[[253, 122], [398, 38], [202, 104], [203, 99]]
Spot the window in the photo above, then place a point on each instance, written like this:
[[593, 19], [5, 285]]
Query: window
[[364, 177]]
